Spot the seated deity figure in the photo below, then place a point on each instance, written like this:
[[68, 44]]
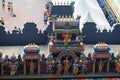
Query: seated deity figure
[[67, 37]]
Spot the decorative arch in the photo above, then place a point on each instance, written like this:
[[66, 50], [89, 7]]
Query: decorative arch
[[62, 53]]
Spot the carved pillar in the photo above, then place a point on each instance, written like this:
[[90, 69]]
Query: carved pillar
[[24, 66], [39, 67], [108, 66], [93, 70]]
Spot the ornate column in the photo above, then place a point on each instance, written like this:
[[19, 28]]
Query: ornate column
[[108, 66], [93, 70], [38, 67], [24, 66]]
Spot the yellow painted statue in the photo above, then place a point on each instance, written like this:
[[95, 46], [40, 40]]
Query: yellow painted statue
[[100, 66], [66, 65], [67, 38], [118, 67], [32, 67], [75, 68]]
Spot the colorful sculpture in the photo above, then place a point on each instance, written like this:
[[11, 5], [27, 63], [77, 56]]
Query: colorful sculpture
[[32, 67], [75, 68], [50, 65], [13, 65], [13, 68], [118, 67], [59, 68], [49, 69], [66, 65], [100, 66], [67, 38], [31, 59], [101, 57]]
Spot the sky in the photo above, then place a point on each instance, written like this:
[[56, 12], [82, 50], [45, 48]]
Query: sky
[[33, 10], [25, 10]]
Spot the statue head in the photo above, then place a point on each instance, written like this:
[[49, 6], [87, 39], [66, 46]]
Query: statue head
[[0, 54]]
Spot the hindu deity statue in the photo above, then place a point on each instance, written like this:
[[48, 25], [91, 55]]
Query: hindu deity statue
[[13, 68], [50, 65], [66, 65], [6, 63], [59, 68], [49, 69], [32, 67], [13, 65], [52, 37], [67, 38], [75, 68], [100, 66], [84, 68]]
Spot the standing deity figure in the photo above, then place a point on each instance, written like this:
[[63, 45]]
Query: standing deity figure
[[13, 68], [32, 67], [75, 68], [49, 69], [67, 37], [52, 37], [100, 66], [59, 68], [118, 67], [6, 62], [84, 68], [66, 65]]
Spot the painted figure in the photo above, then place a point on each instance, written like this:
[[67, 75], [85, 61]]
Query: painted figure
[[66, 65], [84, 68], [67, 38], [80, 37], [49, 69], [75, 68], [6, 63], [52, 37], [100, 66], [59, 68], [32, 67], [13, 68], [118, 67], [3, 4]]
